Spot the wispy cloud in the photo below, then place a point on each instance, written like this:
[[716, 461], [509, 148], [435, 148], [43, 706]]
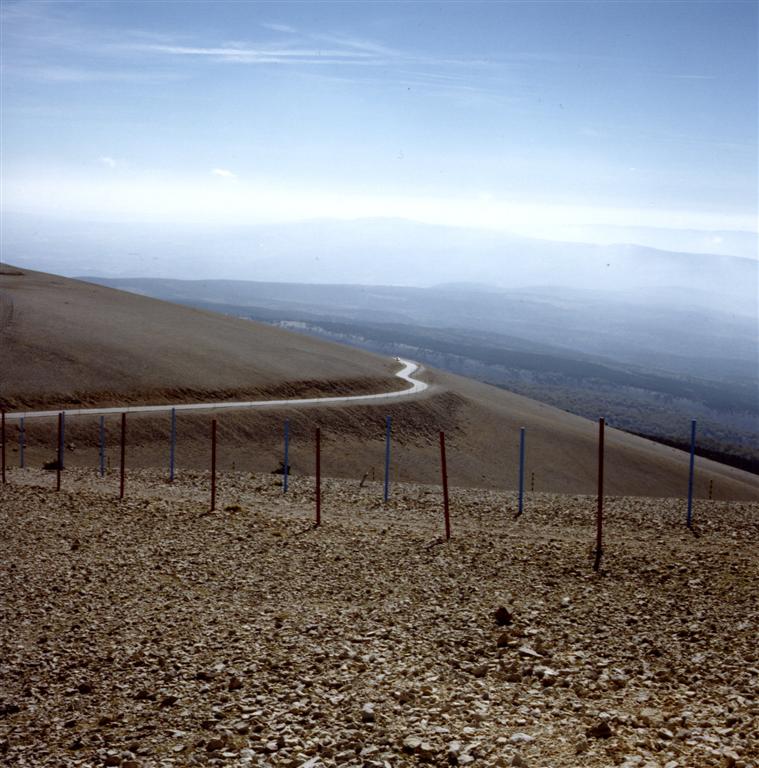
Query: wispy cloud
[[223, 173], [108, 162], [261, 54], [286, 28]]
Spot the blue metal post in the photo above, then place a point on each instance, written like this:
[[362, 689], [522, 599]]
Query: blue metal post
[[388, 426], [285, 470], [21, 442], [101, 443], [690, 473], [521, 470], [63, 439], [172, 444]]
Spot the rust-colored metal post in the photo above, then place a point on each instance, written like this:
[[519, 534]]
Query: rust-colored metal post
[[213, 465], [122, 475], [59, 462], [444, 469], [600, 508], [318, 478], [2, 441]]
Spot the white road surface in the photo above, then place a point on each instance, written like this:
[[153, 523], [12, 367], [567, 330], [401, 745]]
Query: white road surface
[[409, 368]]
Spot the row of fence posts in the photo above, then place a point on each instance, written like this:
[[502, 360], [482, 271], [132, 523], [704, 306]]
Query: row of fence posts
[[286, 466]]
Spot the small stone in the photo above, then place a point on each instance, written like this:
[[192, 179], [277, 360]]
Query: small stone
[[480, 670], [215, 744], [84, 688], [521, 738], [601, 730], [112, 760], [168, 701], [367, 713], [411, 744], [503, 639], [729, 759], [525, 650], [617, 678], [519, 761], [503, 616], [425, 751], [566, 602], [234, 684], [650, 716]]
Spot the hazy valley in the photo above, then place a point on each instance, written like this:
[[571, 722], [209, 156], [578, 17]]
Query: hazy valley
[[645, 363]]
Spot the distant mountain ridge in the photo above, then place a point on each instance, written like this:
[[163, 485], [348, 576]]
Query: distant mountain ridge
[[394, 252]]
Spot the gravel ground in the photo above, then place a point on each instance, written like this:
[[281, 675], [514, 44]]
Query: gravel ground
[[153, 632]]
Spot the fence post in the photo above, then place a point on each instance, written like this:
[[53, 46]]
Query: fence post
[[600, 508], [318, 478], [388, 426], [21, 442], [213, 465], [444, 469], [2, 443], [101, 446], [690, 471], [521, 472], [172, 444], [59, 463], [62, 437], [122, 475], [285, 471]]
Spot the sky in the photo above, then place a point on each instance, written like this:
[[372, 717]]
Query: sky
[[560, 120]]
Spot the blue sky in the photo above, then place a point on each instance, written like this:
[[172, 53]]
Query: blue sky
[[546, 119]]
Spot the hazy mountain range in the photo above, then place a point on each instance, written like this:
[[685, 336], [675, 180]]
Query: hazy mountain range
[[379, 252]]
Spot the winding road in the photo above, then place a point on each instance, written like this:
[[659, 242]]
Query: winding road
[[409, 368]]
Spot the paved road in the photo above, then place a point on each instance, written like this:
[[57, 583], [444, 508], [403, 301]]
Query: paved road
[[405, 373]]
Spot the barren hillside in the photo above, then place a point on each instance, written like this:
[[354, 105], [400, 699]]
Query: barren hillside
[[67, 342]]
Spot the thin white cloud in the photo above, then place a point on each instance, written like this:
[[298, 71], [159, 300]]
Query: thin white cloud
[[108, 162], [286, 28], [223, 173], [261, 55]]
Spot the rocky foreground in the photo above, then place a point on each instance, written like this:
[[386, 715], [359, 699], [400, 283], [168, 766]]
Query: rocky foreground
[[153, 632]]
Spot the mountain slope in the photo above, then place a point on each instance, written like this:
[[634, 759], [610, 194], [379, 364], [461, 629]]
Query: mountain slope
[[64, 340]]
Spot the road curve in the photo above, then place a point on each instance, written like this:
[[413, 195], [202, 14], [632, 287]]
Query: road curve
[[405, 373]]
